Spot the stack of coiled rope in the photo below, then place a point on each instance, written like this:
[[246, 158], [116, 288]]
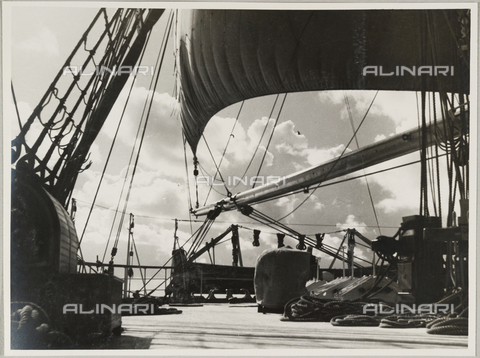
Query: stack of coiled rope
[[348, 313], [307, 308], [31, 329], [452, 324], [407, 320]]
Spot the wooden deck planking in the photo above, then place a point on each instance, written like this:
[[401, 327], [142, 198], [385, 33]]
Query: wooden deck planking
[[222, 326]]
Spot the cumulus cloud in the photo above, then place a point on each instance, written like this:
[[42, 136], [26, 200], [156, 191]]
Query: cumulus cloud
[[393, 111], [159, 189], [288, 204], [402, 186], [333, 97], [351, 222], [288, 152], [316, 156], [152, 196], [380, 137], [150, 192], [242, 144], [161, 114], [387, 103], [317, 204]]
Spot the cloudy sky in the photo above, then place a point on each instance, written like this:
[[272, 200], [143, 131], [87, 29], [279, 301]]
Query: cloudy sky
[[313, 127]]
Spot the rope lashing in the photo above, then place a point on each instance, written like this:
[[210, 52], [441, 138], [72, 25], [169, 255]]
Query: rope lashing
[[195, 174], [74, 209], [351, 248], [301, 242], [256, 238], [284, 229], [235, 246], [110, 263], [246, 210], [319, 238], [213, 214]]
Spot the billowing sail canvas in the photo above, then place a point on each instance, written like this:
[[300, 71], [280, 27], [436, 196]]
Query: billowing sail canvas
[[225, 56]]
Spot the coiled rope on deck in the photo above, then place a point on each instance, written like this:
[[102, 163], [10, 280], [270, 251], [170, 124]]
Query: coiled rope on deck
[[407, 320], [350, 313], [355, 320], [452, 324], [307, 308]]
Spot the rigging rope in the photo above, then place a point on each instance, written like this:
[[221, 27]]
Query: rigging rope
[[308, 308], [109, 155], [423, 141], [349, 179], [333, 166], [271, 136], [278, 226], [16, 107], [139, 265], [268, 119], [350, 116], [226, 222], [217, 167], [154, 82], [204, 171], [277, 97], [189, 198], [107, 161], [199, 232], [447, 150], [224, 151], [261, 137], [147, 117], [430, 164]]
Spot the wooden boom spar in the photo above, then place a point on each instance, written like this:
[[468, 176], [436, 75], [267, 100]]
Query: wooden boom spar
[[376, 153]]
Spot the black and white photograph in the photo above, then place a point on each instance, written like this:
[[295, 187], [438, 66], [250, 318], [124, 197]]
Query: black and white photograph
[[228, 179]]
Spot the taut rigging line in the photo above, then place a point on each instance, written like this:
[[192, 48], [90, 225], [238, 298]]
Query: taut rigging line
[[146, 115], [340, 156], [278, 226]]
